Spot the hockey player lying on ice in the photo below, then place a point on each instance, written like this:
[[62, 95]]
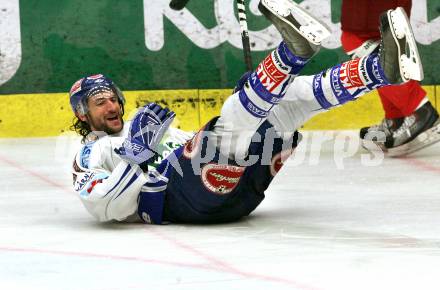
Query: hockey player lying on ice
[[127, 173]]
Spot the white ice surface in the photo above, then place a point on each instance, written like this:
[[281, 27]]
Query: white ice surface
[[320, 227]]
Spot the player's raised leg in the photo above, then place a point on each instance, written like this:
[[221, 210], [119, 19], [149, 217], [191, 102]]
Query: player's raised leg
[[264, 88], [333, 87]]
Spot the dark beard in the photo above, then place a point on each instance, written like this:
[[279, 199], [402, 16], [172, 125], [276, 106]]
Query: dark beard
[[105, 128]]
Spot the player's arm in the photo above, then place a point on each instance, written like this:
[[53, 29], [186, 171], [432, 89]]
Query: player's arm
[[108, 186], [107, 193]]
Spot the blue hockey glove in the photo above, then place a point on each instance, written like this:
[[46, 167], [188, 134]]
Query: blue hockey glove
[[146, 130]]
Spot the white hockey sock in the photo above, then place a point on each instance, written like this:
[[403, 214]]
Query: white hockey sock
[[348, 81], [267, 85], [244, 111]]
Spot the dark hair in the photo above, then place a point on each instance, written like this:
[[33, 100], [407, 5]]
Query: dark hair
[[81, 127]]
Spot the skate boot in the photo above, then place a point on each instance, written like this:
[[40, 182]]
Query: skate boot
[[398, 52], [417, 131], [307, 33], [380, 132]]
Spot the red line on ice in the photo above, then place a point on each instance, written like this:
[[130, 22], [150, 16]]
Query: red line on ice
[[421, 164], [218, 264], [223, 266], [103, 256], [35, 174], [154, 261]]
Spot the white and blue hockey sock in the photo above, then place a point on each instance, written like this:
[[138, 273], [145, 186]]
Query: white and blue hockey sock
[[268, 83], [348, 81], [250, 105]]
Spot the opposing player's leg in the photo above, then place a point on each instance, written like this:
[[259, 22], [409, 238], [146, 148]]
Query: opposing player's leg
[[406, 105], [248, 108], [418, 130], [422, 127], [410, 128]]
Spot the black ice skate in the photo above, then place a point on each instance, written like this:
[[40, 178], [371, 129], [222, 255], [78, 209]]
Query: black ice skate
[[301, 32], [417, 131], [398, 52], [379, 133]]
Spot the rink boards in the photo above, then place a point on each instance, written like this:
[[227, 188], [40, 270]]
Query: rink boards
[[40, 115]]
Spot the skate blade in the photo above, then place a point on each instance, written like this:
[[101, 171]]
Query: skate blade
[[309, 27], [409, 58], [425, 139]]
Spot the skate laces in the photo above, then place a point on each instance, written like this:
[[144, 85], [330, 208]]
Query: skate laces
[[405, 127], [378, 127], [384, 126]]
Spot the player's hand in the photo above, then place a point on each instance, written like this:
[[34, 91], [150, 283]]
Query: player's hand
[[146, 131]]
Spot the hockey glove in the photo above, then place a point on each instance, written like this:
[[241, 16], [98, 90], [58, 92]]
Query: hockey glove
[[146, 130]]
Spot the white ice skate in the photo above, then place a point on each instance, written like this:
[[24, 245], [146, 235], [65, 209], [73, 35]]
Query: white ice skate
[[410, 63], [297, 18]]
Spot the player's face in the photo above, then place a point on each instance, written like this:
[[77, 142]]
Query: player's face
[[105, 113]]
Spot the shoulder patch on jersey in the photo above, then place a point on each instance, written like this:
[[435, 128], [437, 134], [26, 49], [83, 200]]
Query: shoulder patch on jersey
[[89, 178], [221, 178], [84, 155]]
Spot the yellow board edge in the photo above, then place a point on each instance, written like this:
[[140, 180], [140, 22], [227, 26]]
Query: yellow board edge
[[43, 115]]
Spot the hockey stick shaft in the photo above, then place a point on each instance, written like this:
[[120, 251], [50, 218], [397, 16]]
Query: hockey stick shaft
[[244, 34], [178, 4]]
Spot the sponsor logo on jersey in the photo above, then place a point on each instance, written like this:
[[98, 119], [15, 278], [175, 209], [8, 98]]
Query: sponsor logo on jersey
[[262, 92], [278, 161], [318, 92], [349, 74], [220, 178], [85, 155], [270, 74], [336, 87], [256, 111], [79, 184], [351, 77], [317, 87], [364, 73], [278, 62], [376, 70]]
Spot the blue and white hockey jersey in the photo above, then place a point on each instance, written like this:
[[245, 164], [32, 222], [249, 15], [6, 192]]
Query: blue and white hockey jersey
[[109, 186]]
